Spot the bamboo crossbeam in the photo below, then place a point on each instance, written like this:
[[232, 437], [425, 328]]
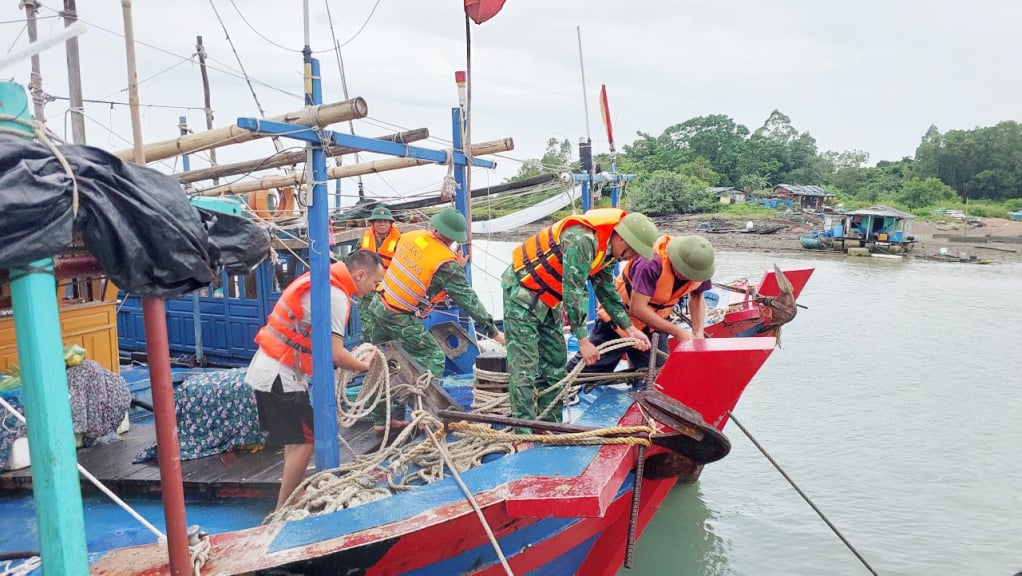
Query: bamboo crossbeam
[[268, 182], [287, 158], [323, 115]]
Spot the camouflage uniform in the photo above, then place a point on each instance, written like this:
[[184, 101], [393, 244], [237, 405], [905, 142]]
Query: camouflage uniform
[[535, 340], [380, 324]]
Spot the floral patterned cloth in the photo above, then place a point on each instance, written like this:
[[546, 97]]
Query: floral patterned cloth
[[216, 412], [10, 427], [99, 401]]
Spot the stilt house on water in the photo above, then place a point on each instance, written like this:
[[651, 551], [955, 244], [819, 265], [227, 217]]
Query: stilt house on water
[[878, 229]]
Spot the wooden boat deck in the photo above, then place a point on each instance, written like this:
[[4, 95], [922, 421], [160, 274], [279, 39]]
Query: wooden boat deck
[[233, 473]]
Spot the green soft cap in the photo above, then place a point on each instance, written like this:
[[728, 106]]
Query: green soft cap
[[692, 257], [451, 224], [381, 213], [639, 232]]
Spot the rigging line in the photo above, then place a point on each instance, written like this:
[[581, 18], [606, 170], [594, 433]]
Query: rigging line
[[259, 106], [16, 38], [801, 493], [164, 71], [23, 20], [269, 40], [113, 133], [225, 70], [115, 103], [362, 27], [344, 80]]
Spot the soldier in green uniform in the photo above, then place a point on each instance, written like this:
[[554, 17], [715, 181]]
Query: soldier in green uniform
[[424, 271], [552, 267]]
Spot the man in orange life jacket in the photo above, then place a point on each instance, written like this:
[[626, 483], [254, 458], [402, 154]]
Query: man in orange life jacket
[[552, 267], [382, 235], [650, 288], [424, 272], [280, 368]]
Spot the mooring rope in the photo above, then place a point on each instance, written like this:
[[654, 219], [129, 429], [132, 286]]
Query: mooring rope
[[809, 501], [25, 567], [442, 449], [596, 437], [487, 399]]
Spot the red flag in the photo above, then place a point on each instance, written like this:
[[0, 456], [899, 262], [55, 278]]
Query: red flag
[[482, 10], [605, 114]]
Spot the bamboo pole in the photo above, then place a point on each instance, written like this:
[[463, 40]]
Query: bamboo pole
[[323, 115], [74, 75], [35, 86], [288, 158], [336, 172], [201, 51]]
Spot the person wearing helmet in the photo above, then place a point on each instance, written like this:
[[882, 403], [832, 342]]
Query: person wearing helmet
[[424, 272], [551, 269], [382, 235], [650, 288]]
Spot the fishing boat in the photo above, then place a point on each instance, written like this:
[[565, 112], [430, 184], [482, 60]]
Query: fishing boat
[[527, 507]]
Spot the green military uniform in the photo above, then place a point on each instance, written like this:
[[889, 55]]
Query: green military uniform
[[535, 341], [380, 324]]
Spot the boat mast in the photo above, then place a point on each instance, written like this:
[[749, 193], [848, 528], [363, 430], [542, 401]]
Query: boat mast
[[74, 75], [158, 355], [324, 399], [201, 51]]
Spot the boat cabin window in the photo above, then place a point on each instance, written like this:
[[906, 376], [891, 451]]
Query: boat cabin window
[[81, 290]]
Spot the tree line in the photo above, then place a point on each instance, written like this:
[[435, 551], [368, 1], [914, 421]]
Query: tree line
[[674, 169]]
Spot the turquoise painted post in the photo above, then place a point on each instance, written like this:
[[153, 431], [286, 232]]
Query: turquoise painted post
[[55, 488]]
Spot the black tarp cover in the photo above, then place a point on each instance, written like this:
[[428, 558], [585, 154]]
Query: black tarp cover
[[137, 222]]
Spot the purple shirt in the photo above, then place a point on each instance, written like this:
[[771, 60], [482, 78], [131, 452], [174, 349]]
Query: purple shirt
[[645, 272]]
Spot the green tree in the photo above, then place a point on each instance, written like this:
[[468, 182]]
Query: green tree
[[919, 193], [557, 158], [701, 169], [666, 192]]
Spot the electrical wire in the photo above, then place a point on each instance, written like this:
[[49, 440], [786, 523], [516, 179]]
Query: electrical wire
[[226, 70]]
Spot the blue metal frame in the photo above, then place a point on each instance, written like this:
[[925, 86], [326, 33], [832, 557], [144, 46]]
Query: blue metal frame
[[323, 399]]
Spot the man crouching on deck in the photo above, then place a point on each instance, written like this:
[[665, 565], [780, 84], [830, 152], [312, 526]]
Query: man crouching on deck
[[280, 367]]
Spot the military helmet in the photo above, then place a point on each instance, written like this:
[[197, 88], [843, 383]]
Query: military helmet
[[639, 232], [381, 212], [692, 257], [451, 224]]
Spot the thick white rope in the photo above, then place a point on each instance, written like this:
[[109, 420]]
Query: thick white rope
[[25, 567], [495, 400], [442, 448], [124, 505]]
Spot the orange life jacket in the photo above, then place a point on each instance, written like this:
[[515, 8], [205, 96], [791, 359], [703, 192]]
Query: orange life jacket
[[666, 295], [417, 258], [287, 336], [386, 248], [537, 261]]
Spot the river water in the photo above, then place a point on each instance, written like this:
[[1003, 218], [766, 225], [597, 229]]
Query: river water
[[895, 403]]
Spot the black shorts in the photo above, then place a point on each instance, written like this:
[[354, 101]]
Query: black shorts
[[287, 416]]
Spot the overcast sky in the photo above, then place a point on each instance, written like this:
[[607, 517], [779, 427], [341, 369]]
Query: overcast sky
[[869, 75]]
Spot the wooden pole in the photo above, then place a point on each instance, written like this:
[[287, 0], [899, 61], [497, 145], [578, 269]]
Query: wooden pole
[[201, 50], [336, 172], [74, 75], [158, 354], [288, 158], [35, 86], [323, 115]]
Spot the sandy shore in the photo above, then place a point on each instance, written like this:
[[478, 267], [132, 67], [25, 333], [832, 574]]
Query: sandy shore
[[729, 235]]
